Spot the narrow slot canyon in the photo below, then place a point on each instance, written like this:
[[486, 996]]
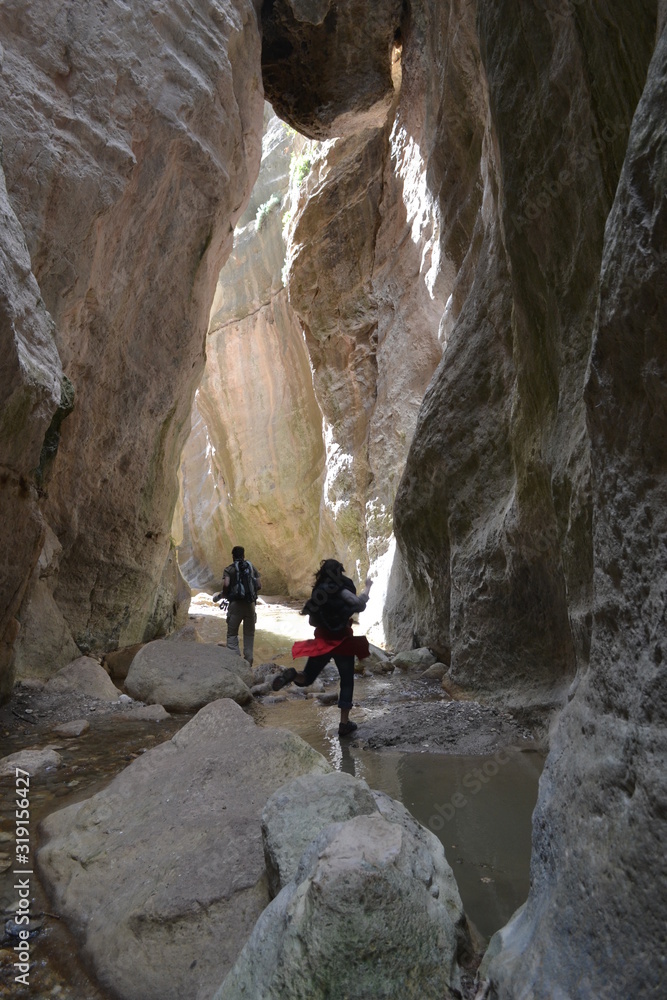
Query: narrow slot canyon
[[383, 284]]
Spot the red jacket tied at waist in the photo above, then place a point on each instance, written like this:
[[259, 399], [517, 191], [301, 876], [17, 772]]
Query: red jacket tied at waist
[[338, 644]]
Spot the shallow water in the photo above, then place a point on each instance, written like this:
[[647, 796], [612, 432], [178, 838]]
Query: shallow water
[[479, 807]]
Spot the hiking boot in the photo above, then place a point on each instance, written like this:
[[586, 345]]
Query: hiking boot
[[282, 680], [346, 728]]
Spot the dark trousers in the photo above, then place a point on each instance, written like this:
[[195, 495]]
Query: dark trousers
[[316, 664]]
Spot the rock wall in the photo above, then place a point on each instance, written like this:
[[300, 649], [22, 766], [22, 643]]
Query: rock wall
[[599, 829], [254, 465], [493, 514], [130, 141], [30, 378]]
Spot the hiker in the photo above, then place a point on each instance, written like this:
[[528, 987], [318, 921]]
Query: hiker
[[330, 607], [240, 585]]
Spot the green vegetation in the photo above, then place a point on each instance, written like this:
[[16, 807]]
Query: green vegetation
[[299, 168], [265, 210]]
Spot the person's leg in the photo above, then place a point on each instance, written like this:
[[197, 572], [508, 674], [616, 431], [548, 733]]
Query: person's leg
[[248, 631], [345, 666], [234, 617], [313, 668]]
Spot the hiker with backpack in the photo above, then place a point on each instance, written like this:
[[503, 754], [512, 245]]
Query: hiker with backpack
[[240, 585], [330, 607]]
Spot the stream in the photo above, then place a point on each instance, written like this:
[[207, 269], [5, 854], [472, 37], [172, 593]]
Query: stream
[[479, 806]]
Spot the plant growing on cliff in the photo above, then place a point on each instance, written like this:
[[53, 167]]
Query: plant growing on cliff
[[265, 210], [299, 168]]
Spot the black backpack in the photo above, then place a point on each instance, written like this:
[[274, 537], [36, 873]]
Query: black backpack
[[326, 608], [243, 586]]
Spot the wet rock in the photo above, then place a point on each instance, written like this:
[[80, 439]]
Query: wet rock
[[144, 713], [33, 761], [258, 690], [327, 66], [84, 676], [328, 698], [75, 728], [414, 659], [171, 850], [362, 918], [183, 676]]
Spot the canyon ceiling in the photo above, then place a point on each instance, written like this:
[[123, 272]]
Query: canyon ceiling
[[455, 365]]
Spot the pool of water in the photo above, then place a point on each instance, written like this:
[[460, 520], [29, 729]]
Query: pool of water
[[479, 807]]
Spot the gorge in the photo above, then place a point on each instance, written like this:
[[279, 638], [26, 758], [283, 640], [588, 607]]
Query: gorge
[[437, 350]]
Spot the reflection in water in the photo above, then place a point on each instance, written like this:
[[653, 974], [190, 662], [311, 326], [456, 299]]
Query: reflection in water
[[479, 807]]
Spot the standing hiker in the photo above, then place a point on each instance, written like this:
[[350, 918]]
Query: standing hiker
[[240, 585], [330, 607]]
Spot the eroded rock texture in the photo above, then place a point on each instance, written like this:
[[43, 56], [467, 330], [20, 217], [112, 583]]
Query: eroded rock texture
[[599, 833], [254, 465], [30, 379], [327, 65], [130, 140], [493, 513]]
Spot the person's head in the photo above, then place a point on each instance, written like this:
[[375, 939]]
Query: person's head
[[330, 570], [238, 552]]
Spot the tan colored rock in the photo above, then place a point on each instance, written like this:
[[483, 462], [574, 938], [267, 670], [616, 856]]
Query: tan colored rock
[[84, 676], [253, 467], [130, 144], [172, 850]]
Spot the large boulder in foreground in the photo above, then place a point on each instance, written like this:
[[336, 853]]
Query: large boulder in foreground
[[362, 918], [184, 676], [162, 873]]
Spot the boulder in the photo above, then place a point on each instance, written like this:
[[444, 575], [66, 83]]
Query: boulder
[[84, 676], [362, 918], [435, 672], [118, 661], [143, 713], [33, 761], [327, 66], [414, 659], [295, 815], [162, 873], [184, 676], [71, 729]]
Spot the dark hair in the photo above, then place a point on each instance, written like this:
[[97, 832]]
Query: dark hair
[[238, 552], [330, 569]]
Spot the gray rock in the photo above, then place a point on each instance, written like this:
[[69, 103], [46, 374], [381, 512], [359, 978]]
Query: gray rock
[[33, 761], [297, 813], [84, 676], [257, 690], [414, 659], [144, 713], [75, 728], [171, 851], [360, 920], [183, 676]]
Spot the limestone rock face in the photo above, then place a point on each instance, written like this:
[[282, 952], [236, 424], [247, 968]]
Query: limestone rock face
[[493, 513], [30, 375], [254, 464], [599, 830], [130, 140], [170, 852], [327, 65]]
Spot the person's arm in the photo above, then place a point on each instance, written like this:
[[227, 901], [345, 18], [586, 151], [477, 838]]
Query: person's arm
[[225, 584], [357, 602]]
